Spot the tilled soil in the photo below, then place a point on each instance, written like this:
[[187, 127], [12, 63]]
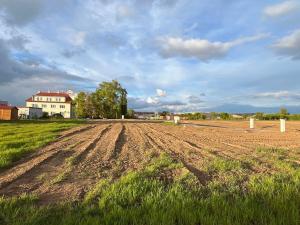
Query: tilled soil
[[68, 168]]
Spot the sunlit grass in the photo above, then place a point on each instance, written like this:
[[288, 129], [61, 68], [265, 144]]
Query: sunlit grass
[[165, 192], [19, 138]]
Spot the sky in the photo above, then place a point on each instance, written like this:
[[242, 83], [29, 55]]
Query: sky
[[174, 55]]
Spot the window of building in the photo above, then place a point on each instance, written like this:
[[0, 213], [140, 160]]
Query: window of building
[[53, 106], [44, 106], [62, 106]]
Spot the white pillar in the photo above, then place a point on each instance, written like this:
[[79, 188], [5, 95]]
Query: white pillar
[[176, 119], [122, 117], [251, 123], [282, 125]]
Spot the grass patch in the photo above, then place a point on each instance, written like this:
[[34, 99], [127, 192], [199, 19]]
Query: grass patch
[[146, 197], [169, 123], [20, 138]]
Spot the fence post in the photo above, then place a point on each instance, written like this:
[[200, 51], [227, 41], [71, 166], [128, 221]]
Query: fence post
[[282, 125], [176, 119], [251, 123]]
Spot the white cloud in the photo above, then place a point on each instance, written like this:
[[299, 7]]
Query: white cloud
[[161, 93], [281, 9], [289, 45], [152, 100], [279, 95], [200, 48]]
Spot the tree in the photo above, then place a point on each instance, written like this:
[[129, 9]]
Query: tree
[[164, 113], [259, 116], [108, 101], [225, 116], [130, 114], [283, 111], [90, 106], [80, 102]]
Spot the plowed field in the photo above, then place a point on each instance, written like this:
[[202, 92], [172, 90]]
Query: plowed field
[[69, 168]]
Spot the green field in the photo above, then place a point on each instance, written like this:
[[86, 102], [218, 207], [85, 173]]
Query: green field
[[165, 192], [21, 137]]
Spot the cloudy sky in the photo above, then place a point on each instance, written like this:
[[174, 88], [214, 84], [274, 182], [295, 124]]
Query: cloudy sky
[[177, 55]]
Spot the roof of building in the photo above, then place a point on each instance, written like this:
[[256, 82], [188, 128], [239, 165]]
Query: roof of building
[[51, 94], [7, 107]]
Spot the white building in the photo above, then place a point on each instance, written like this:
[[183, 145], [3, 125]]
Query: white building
[[53, 103], [29, 112]]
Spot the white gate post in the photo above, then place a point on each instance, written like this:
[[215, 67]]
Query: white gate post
[[251, 123], [176, 119], [282, 125]]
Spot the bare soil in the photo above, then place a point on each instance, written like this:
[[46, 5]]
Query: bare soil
[[68, 168]]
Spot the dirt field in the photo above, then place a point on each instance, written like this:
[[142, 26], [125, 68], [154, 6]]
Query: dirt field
[[70, 167]]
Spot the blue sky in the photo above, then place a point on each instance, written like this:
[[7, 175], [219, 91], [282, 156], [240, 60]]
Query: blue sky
[[176, 55]]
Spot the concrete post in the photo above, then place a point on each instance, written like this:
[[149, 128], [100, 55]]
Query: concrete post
[[282, 125], [176, 119], [122, 117], [251, 123]]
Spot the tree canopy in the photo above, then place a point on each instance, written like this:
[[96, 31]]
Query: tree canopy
[[108, 101]]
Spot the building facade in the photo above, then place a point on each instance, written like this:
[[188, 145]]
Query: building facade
[[29, 112], [53, 103]]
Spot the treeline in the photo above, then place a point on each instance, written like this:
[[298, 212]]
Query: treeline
[[282, 114], [202, 116], [194, 116], [277, 116], [108, 101]]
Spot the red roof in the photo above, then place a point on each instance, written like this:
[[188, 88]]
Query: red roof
[[57, 94], [52, 94], [7, 107]]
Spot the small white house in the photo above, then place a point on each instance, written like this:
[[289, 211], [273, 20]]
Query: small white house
[[29, 112]]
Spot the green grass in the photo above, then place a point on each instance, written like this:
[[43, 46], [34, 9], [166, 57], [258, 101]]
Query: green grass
[[169, 123], [164, 192], [19, 138]]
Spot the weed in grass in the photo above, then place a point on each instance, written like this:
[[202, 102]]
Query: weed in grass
[[42, 177]]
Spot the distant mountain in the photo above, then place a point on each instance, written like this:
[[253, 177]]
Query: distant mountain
[[237, 108]]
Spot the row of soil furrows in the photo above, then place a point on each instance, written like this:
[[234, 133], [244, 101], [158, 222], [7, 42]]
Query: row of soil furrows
[[117, 152], [219, 147], [29, 174], [213, 144], [180, 150]]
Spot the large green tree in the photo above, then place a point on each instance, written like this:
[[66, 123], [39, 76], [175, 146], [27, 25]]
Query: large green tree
[[108, 101], [112, 100]]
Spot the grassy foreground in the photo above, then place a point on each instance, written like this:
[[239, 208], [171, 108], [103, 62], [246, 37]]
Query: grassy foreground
[[164, 192], [21, 137]]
